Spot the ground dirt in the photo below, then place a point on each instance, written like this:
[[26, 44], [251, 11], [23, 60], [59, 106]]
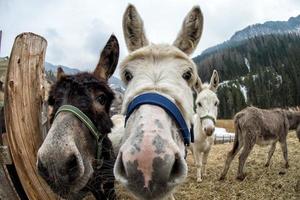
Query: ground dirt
[[260, 183]]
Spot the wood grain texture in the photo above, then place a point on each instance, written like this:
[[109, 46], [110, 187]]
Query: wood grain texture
[[24, 94]]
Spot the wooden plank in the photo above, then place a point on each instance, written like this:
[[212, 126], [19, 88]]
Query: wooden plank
[[24, 93]]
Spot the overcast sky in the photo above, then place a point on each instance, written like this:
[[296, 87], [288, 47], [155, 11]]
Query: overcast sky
[[76, 30]]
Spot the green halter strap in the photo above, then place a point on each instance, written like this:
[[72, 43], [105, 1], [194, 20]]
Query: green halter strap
[[88, 123], [208, 117]]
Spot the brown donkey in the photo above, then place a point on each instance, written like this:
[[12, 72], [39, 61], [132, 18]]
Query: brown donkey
[[262, 127], [77, 157]]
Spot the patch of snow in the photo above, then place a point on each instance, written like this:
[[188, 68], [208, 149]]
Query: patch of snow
[[247, 63], [244, 91], [221, 134], [254, 77], [224, 83], [279, 78]]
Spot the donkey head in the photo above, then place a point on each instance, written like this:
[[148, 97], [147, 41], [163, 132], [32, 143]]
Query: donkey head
[[151, 160], [67, 155], [207, 103]]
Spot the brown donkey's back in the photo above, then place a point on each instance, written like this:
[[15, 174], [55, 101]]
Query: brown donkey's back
[[262, 127]]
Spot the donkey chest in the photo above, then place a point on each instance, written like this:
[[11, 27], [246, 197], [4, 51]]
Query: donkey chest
[[204, 145]]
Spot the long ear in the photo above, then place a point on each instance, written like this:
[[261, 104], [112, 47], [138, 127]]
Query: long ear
[[133, 28], [214, 81], [60, 73], [198, 85], [191, 31], [108, 59]]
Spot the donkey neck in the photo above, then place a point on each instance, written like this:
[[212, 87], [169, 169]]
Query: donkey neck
[[293, 118], [199, 129], [103, 178]]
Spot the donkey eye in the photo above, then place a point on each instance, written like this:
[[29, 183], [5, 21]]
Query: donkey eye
[[217, 103], [187, 75], [199, 104], [101, 99], [128, 76]]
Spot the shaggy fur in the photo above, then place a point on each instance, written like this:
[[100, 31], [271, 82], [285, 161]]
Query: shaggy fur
[[262, 127], [75, 90], [66, 159]]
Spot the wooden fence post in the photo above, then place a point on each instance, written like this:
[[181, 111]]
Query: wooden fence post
[[24, 93]]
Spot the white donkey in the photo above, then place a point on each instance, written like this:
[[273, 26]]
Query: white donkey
[[151, 163], [204, 123]]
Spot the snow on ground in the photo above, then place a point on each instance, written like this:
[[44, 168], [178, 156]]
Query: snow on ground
[[222, 135], [244, 91], [247, 63]]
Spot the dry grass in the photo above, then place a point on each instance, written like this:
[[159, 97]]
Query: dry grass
[[260, 183], [227, 124]]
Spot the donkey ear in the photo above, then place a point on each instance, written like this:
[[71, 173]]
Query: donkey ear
[[214, 81], [60, 73], [133, 28], [108, 59], [198, 85], [190, 33]]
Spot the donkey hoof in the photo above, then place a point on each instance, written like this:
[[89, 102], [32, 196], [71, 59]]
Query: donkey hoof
[[282, 172], [222, 178], [267, 164], [287, 165], [199, 180], [241, 177]]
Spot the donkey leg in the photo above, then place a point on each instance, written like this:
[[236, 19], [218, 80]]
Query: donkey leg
[[285, 152], [199, 166], [172, 197], [230, 156], [204, 161], [270, 154], [243, 157], [194, 152]]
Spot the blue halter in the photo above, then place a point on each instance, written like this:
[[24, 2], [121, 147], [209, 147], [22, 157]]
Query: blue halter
[[168, 106]]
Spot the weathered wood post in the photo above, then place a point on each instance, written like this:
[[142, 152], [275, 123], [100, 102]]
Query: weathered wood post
[[24, 92]]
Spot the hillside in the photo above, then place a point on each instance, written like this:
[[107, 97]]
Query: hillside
[[267, 28], [262, 71], [3, 66], [115, 83], [51, 70]]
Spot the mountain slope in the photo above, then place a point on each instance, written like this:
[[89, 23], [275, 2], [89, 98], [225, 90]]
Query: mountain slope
[[262, 71], [51, 70], [292, 26], [268, 28]]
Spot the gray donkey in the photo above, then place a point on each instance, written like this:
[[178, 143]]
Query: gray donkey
[[262, 127]]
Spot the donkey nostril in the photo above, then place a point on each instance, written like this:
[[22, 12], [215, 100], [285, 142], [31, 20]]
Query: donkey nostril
[[177, 168], [43, 171], [72, 167]]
